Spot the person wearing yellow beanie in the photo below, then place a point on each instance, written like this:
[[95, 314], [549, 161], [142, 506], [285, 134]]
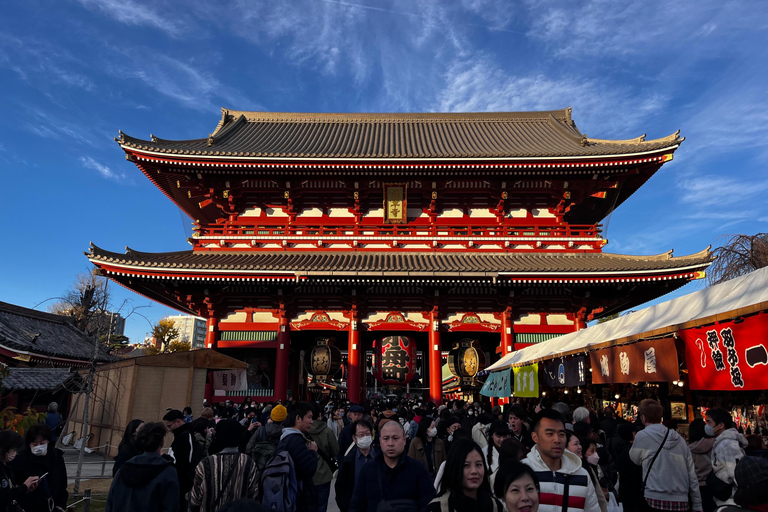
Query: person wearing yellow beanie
[[279, 413]]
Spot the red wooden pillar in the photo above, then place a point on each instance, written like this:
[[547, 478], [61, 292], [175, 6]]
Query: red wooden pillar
[[281, 365], [211, 333], [506, 333], [435, 360], [353, 359]]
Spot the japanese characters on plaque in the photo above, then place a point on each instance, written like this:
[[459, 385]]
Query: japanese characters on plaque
[[645, 361]]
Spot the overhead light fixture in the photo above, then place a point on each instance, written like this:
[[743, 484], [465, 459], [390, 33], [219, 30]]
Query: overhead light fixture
[[674, 383], [565, 392], [680, 383], [578, 390], [543, 393], [616, 396]]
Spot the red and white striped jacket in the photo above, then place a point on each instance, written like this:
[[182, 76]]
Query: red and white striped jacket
[[568, 489]]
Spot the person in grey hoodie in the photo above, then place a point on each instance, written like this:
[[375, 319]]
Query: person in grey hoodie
[[728, 448], [672, 477], [701, 451]]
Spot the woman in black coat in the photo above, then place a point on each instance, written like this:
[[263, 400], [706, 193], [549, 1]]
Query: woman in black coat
[[127, 449], [10, 443], [41, 458]]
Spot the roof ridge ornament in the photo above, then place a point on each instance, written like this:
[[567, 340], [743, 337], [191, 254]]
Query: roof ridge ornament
[[211, 140]]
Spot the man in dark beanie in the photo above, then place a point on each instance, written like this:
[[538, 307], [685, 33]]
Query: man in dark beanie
[[752, 485], [227, 476], [185, 451]]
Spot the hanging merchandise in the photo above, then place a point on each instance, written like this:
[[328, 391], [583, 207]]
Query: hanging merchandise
[[498, 384], [728, 356], [527, 381], [394, 360], [562, 373], [644, 361]]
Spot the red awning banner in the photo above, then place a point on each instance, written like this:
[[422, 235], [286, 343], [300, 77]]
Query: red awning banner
[[645, 361], [728, 356]]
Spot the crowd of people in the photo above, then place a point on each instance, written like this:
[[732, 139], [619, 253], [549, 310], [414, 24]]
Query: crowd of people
[[406, 456]]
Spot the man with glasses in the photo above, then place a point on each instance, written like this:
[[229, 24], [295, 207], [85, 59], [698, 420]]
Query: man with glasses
[[363, 452]]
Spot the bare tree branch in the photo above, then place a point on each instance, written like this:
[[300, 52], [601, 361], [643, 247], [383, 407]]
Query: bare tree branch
[[739, 255]]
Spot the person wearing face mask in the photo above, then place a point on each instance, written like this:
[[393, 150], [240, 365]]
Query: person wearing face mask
[[361, 454], [517, 486], [10, 493], [446, 429], [701, 451], [427, 447], [727, 450], [590, 459], [668, 470], [39, 458]]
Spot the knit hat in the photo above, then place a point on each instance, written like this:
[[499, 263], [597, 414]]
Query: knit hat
[[279, 413], [751, 476], [357, 408]]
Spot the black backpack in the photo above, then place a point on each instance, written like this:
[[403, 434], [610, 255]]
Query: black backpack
[[262, 452]]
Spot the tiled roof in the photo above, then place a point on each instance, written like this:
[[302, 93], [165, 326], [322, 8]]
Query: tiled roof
[[35, 332], [388, 136], [395, 263], [41, 379]]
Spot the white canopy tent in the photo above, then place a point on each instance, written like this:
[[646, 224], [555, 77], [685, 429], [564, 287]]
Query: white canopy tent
[[743, 295]]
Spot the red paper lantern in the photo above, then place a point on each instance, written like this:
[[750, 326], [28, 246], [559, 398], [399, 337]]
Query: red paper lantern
[[394, 360]]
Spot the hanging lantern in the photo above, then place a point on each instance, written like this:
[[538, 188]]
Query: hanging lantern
[[466, 360], [324, 360], [394, 360]]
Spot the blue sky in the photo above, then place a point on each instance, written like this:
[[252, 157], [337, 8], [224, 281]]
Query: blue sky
[[74, 72]]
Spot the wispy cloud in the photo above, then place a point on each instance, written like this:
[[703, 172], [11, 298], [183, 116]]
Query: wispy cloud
[[49, 126], [103, 170], [138, 14], [707, 191]]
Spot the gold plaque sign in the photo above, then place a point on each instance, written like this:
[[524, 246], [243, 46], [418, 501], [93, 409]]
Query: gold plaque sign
[[395, 203]]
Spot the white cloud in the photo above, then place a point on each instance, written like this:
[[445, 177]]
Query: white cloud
[[706, 191], [103, 170], [133, 13]]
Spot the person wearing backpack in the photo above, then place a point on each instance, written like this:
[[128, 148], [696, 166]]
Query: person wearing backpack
[[225, 477], [185, 451], [263, 442], [392, 481], [301, 451], [669, 475], [327, 448]]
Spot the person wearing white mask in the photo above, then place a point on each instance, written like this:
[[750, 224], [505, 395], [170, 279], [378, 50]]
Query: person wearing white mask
[[10, 443], [427, 447], [359, 455], [42, 460]]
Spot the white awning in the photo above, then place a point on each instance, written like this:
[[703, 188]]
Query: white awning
[[728, 297]]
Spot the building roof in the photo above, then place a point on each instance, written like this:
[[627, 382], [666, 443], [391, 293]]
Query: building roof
[[392, 264], [743, 295], [497, 135], [32, 332], [40, 379]]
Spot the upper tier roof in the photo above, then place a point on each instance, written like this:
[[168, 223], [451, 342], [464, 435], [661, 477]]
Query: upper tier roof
[[501, 135]]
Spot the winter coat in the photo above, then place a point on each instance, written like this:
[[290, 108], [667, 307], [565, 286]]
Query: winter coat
[[630, 478], [293, 441], [229, 476], [673, 475], [9, 491], [270, 432], [345, 439], [581, 491], [148, 483], [335, 427], [418, 452], [447, 503], [524, 437], [409, 479], [701, 451], [479, 434], [125, 452], [186, 453], [54, 485], [727, 450], [328, 446], [345, 480]]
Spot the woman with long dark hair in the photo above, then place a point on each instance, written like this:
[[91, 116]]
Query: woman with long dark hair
[[498, 432], [427, 447], [465, 486], [127, 448]]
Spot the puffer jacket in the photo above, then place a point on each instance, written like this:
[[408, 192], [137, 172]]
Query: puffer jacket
[[701, 451], [727, 450], [581, 492], [673, 475], [327, 445]]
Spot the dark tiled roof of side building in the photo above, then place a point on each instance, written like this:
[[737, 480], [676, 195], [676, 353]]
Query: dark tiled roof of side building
[[36, 332], [387, 136], [416, 264], [41, 379]]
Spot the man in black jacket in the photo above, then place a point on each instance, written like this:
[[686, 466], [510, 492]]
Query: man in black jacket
[[185, 451], [392, 475], [146, 482], [352, 464], [303, 452], [356, 413]]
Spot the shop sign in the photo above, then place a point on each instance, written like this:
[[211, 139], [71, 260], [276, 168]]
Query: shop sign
[[562, 373], [527, 381], [644, 361], [728, 356], [230, 380], [498, 384]]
